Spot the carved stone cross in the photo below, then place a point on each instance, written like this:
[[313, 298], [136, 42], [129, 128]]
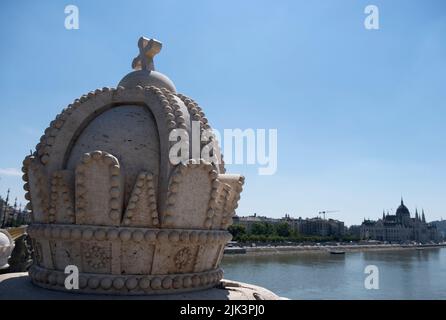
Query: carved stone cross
[[148, 48]]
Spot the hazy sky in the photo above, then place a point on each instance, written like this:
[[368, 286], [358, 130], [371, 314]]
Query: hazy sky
[[360, 114]]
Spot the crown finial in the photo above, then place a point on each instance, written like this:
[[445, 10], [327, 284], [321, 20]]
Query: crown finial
[[148, 48]]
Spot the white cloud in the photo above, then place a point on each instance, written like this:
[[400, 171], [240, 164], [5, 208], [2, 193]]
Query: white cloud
[[14, 172]]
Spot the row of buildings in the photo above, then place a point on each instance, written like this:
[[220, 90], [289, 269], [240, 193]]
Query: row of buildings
[[400, 227], [309, 226], [12, 215]]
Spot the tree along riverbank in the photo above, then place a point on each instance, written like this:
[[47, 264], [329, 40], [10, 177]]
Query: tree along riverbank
[[326, 248], [278, 233]]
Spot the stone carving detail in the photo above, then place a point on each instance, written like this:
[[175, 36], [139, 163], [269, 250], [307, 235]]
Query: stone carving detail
[[113, 234], [62, 198], [99, 185], [96, 257], [197, 114], [21, 256], [129, 284], [189, 194], [183, 258], [105, 196], [142, 209], [37, 252], [37, 188], [179, 110], [229, 195]]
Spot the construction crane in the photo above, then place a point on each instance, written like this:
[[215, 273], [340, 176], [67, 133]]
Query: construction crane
[[327, 211]]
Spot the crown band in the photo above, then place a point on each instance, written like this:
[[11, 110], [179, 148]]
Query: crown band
[[127, 284]]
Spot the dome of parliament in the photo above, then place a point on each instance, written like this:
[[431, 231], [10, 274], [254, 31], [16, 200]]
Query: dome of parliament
[[402, 209]]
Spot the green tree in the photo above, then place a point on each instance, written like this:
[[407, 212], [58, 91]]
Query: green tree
[[237, 231], [262, 228], [283, 229]]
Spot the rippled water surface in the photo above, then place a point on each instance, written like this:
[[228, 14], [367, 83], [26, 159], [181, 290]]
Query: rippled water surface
[[403, 274]]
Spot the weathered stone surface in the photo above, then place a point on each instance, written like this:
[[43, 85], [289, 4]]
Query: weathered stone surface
[[124, 132], [142, 210], [190, 193], [38, 194], [21, 258], [99, 189], [145, 74], [62, 197]]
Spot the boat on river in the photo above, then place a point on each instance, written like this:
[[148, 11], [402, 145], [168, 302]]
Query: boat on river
[[336, 252]]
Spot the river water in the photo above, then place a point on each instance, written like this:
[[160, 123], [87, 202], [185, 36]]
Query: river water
[[402, 274]]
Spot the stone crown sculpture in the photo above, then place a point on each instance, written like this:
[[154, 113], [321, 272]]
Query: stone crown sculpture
[[106, 198]]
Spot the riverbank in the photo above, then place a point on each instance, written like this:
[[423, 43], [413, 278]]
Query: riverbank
[[326, 248]]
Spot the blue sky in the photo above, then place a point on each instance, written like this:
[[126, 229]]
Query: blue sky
[[360, 113]]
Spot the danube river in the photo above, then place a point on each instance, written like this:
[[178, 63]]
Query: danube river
[[403, 274]]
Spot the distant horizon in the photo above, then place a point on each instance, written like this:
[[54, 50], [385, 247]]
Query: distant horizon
[[412, 213]]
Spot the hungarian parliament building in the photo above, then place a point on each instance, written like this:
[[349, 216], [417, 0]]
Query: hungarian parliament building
[[400, 227]]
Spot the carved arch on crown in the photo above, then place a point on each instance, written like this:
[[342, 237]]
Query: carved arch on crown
[[168, 110]]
